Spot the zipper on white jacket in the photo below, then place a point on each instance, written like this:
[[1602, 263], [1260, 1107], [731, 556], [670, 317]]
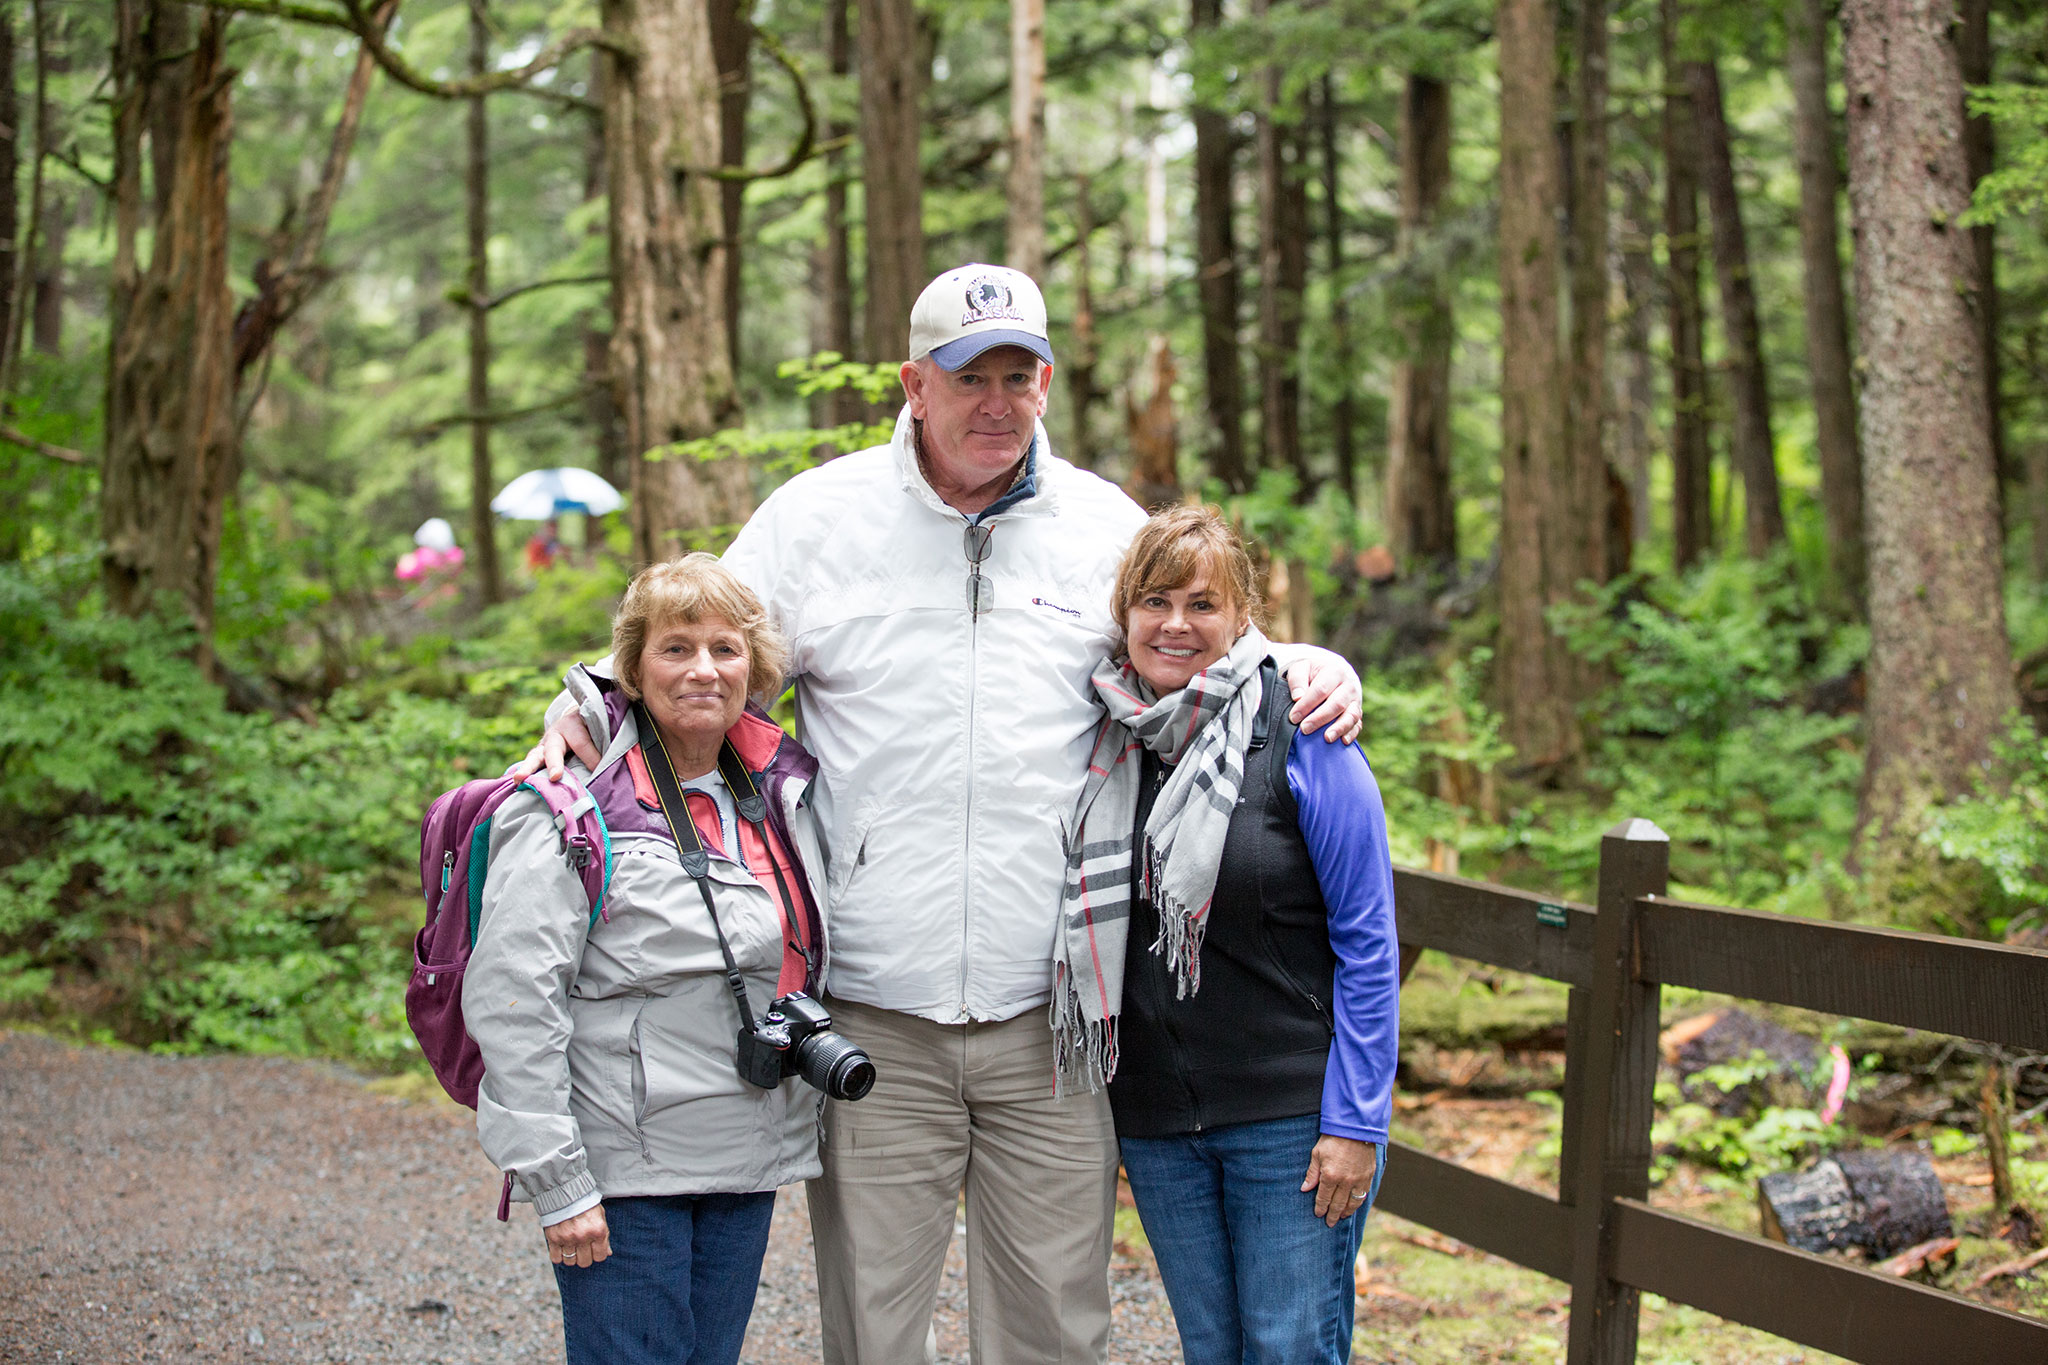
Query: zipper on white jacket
[[967, 825]]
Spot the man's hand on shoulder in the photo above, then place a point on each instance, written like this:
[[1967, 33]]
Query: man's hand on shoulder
[[568, 734], [1327, 695]]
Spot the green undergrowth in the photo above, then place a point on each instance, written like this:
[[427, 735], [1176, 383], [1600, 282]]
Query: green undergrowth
[[191, 877], [1462, 1307]]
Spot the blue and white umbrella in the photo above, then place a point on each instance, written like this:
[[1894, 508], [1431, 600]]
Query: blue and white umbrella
[[543, 493]]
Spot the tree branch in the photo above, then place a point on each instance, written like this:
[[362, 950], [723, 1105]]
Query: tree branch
[[69, 160], [27, 442], [546, 59], [460, 296], [353, 18], [807, 144], [281, 293], [431, 429]]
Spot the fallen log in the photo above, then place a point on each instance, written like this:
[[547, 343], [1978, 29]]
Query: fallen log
[[1876, 1202]]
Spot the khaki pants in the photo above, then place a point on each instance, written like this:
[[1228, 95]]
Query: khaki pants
[[972, 1105]]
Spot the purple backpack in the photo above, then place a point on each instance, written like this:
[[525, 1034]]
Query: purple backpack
[[455, 842]]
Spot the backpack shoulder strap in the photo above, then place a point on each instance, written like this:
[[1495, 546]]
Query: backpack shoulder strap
[[576, 816], [1271, 685]]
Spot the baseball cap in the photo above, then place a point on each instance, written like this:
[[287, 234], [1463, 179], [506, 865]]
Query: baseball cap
[[971, 308]]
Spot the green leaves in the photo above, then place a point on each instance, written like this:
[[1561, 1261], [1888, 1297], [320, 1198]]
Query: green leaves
[[2019, 186], [210, 878], [2003, 827], [1707, 725]]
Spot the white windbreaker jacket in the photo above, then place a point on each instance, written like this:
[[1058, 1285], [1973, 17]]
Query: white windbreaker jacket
[[951, 743]]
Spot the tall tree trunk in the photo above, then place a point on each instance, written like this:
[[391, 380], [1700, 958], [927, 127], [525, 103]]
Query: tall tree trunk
[[1216, 276], [166, 38], [1827, 320], [2037, 507], [1940, 673], [1283, 276], [1080, 367], [832, 258], [1026, 250], [892, 76], [1973, 56], [1541, 539], [22, 275], [668, 272], [1636, 384], [1155, 193], [10, 170], [477, 219], [1586, 414], [46, 297], [1692, 513], [732, 40], [600, 405], [1343, 416], [1754, 455], [170, 460], [1153, 435], [1422, 522], [130, 72]]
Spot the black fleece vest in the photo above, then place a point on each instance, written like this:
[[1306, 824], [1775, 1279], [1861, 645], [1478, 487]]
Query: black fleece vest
[[1252, 1043]]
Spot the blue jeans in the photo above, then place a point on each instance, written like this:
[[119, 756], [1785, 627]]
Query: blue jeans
[[678, 1287], [1254, 1277]]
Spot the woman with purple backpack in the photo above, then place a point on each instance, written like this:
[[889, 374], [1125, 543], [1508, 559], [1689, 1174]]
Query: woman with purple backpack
[[614, 1095]]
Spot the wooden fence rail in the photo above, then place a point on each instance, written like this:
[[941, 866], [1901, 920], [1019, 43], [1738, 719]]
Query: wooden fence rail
[[1600, 1234]]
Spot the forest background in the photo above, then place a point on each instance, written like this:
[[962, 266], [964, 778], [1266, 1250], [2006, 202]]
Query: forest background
[[1651, 396]]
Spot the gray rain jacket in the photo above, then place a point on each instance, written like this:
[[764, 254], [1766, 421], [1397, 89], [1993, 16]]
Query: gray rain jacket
[[609, 1048]]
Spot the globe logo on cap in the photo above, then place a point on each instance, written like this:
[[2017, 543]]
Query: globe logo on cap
[[989, 299]]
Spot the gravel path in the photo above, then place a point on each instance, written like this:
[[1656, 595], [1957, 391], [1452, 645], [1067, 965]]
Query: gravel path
[[258, 1209]]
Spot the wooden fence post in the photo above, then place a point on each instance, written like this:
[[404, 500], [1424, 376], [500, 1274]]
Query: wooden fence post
[[1615, 1095]]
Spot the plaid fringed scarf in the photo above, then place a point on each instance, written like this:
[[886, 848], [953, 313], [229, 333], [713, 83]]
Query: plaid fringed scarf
[[1202, 730]]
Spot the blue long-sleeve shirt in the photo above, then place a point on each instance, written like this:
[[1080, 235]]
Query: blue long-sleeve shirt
[[1345, 828]]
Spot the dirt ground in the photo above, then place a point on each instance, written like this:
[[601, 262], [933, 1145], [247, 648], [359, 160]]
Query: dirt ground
[[172, 1209], [247, 1209]]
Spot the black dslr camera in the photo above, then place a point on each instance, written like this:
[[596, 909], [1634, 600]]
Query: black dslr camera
[[795, 1038]]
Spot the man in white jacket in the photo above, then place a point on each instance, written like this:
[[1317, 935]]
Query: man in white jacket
[[946, 596]]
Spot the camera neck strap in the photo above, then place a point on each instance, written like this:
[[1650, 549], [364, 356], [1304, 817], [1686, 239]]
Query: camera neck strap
[[690, 844], [696, 859]]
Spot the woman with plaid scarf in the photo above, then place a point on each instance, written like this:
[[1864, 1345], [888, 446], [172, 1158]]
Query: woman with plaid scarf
[[1249, 1044]]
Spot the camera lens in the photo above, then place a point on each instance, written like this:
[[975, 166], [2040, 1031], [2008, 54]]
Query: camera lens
[[834, 1065]]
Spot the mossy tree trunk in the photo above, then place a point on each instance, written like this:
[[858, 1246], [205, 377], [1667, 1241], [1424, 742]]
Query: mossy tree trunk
[[1827, 323], [1692, 519], [1940, 672], [894, 61], [1752, 451], [1025, 249], [1586, 413], [1422, 520], [1216, 278], [170, 442], [1544, 533], [671, 372]]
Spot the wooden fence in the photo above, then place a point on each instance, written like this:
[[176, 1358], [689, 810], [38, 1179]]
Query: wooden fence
[[1600, 1234]]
